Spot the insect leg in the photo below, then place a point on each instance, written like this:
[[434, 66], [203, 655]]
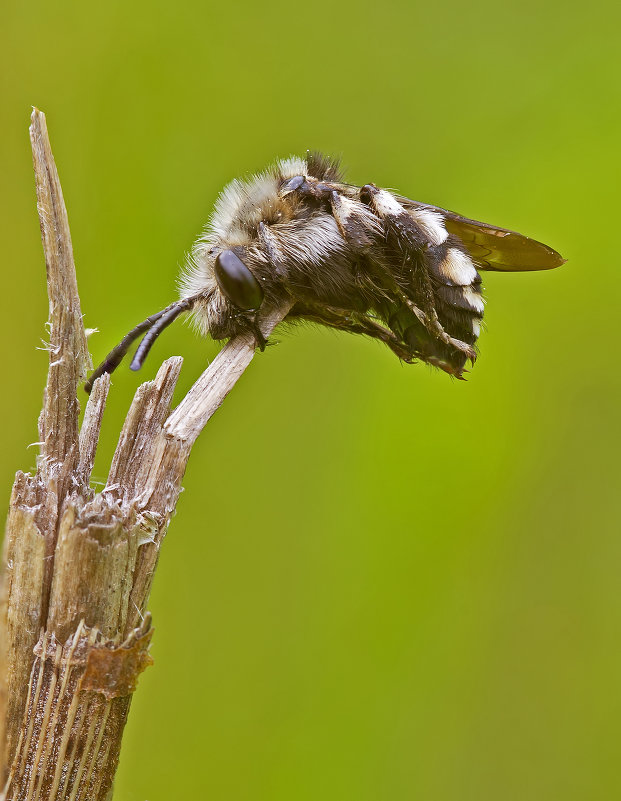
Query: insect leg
[[434, 326], [409, 243], [355, 324], [262, 342]]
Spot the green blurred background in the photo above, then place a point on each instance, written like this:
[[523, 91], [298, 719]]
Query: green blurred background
[[380, 583]]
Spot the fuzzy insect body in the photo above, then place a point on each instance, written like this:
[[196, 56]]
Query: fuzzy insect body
[[359, 259]]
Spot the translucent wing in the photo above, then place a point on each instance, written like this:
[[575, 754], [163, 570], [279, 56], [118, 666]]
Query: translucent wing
[[494, 248]]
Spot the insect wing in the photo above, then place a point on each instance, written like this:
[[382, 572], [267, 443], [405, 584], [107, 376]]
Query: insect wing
[[494, 248]]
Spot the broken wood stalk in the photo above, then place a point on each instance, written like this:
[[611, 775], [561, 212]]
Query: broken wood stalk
[[78, 565]]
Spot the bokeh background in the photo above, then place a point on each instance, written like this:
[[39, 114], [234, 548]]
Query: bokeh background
[[380, 583]]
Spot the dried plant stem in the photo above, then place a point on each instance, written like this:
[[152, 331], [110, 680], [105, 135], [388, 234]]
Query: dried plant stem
[[78, 566]]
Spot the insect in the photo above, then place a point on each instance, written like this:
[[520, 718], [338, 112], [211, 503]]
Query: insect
[[356, 258]]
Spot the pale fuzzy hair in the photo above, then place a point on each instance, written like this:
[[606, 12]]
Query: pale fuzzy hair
[[242, 205], [458, 268]]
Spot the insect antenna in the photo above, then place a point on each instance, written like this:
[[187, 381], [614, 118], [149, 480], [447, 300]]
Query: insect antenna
[[153, 325], [162, 321]]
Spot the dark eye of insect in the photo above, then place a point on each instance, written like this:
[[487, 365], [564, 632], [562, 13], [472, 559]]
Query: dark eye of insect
[[237, 282]]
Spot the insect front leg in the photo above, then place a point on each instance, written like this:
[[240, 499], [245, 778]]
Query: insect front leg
[[243, 323], [262, 342]]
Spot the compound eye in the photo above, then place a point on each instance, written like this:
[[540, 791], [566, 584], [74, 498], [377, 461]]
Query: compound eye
[[237, 282]]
